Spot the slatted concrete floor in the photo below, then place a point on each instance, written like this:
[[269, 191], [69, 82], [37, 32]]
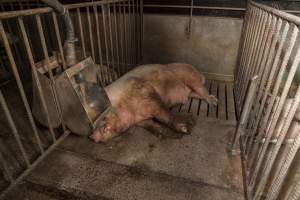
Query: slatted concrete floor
[[225, 109]]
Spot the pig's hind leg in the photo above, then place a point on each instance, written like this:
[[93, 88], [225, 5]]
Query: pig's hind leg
[[202, 93]]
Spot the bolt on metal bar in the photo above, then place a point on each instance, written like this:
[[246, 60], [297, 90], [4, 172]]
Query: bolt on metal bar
[[90, 32], [287, 85], [58, 37], [245, 114], [14, 129], [81, 32], [267, 169], [5, 168], [274, 119], [20, 85]]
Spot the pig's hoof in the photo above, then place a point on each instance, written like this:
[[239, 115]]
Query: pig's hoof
[[212, 100]]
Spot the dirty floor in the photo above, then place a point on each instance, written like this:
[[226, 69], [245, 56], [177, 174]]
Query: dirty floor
[[139, 165]]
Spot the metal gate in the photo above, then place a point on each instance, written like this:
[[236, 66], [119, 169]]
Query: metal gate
[[267, 96], [110, 31]]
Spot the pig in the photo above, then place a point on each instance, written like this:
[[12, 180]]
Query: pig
[[146, 93]]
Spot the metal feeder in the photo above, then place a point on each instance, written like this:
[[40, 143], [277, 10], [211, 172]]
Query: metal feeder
[[81, 97]]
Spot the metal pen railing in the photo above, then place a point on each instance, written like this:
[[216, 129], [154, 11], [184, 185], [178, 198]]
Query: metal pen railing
[[109, 31], [270, 135]]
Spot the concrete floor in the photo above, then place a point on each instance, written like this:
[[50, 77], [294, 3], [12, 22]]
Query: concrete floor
[[139, 165]]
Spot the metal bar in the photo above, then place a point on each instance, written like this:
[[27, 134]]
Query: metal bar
[[142, 28], [130, 34], [99, 42], [269, 108], [20, 85], [287, 85], [45, 52], [110, 39], [116, 38], [58, 37], [267, 169], [121, 24], [81, 32], [196, 7], [106, 43], [264, 69], [259, 37], [90, 32], [125, 38], [245, 113], [245, 54], [33, 165], [134, 33], [256, 32], [284, 163], [34, 70], [14, 129], [5, 168]]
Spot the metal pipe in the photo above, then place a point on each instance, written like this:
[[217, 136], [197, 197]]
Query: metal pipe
[[70, 51], [81, 32], [245, 113]]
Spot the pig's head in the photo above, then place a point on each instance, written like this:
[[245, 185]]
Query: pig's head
[[106, 126]]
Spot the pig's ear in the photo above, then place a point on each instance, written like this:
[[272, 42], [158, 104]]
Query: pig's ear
[[96, 136]]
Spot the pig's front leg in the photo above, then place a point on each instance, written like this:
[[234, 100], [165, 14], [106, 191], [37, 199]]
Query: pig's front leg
[[158, 129], [163, 115]]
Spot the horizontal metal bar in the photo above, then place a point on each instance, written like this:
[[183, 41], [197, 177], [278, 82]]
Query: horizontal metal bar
[[27, 12], [194, 7], [289, 17], [34, 164]]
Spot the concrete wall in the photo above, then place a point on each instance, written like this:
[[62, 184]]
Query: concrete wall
[[212, 46]]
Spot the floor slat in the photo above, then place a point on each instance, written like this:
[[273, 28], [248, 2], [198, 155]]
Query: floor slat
[[194, 106], [213, 109], [230, 102], [222, 101]]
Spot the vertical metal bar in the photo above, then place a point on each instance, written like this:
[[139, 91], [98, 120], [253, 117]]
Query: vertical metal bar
[[45, 52], [117, 39], [134, 33], [6, 169], [285, 162], [287, 85], [253, 32], [240, 67], [106, 43], [58, 37], [99, 44], [34, 70], [259, 36], [20, 85], [267, 169], [269, 108], [121, 25], [111, 39], [90, 31], [142, 29], [130, 34], [81, 32], [14, 129], [126, 61], [245, 113], [268, 53]]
